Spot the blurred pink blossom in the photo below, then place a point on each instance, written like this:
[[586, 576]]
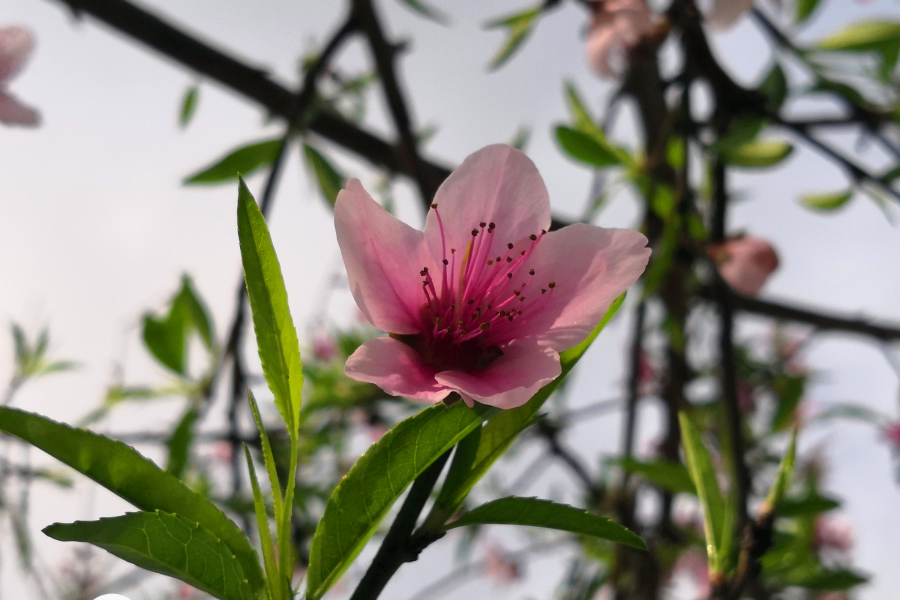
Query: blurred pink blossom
[[499, 566], [833, 534], [693, 563], [745, 263], [324, 348], [725, 13], [892, 434], [617, 27], [16, 45], [186, 592], [481, 302]]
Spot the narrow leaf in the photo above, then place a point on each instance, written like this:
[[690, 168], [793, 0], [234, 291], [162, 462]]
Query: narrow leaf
[[774, 86], [549, 515], [273, 579], [586, 148], [426, 11], [329, 179], [279, 349], [243, 160], [700, 466], [804, 9], [179, 444], [197, 311], [378, 478], [673, 477], [268, 457], [584, 122], [123, 471], [165, 340], [518, 28], [782, 478], [827, 202], [189, 105], [165, 543], [758, 154]]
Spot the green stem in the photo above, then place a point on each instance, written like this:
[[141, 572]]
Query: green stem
[[396, 548]]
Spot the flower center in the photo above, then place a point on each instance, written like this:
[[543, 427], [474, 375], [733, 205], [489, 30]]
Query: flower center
[[481, 300]]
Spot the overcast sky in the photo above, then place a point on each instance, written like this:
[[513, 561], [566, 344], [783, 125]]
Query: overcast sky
[[96, 227]]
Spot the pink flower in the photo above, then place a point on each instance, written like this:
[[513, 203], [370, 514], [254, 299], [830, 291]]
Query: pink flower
[[745, 263], [833, 534], [892, 434], [481, 302], [693, 563], [725, 13], [324, 348], [499, 566], [16, 45], [618, 26]]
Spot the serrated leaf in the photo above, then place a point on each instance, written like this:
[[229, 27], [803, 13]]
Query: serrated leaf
[[279, 349], [827, 202], [364, 495], [761, 153], [804, 9], [189, 105], [518, 28], [670, 476], [480, 449], [426, 10], [123, 471], [243, 160], [179, 444], [700, 466], [165, 543], [329, 179], [548, 515], [586, 148]]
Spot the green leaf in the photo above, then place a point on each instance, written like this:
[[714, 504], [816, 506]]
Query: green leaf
[[804, 9], [882, 37], [179, 444], [121, 470], [426, 11], [279, 349], [518, 28], [200, 320], [583, 120], [827, 202], [480, 449], [774, 86], [549, 515], [165, 543], [761, 153], [268, 457], [378, 478], [810, 504], [329, 179], [273, 579], [166, 340], [700, 466], [670, 476], [243, 160], [823, 579], [789, 390], [856, 412], [520, 139], [782, 478], [586, 148], [742, 131], [189, 105]]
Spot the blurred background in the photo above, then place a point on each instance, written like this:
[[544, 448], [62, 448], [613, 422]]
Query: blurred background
[[97, 229]]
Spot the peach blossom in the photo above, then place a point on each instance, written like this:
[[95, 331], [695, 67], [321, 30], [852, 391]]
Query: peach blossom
[[745, 263], [483, 301], [617, 27], [16, 45]]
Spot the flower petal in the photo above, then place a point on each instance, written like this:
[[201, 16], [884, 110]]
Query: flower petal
[[726, 13], [383, 257], [590, 267], [14, 113], [395, 368], [16, 44], [498, 184], [509, 381]]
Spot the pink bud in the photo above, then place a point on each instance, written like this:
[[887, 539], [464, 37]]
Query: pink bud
[[745, 263], [617, 27]]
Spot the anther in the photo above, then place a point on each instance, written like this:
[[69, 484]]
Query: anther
[[446, 262], [543, 290], [491, 226], [433, 205], [470, 302], [508, 259], [531, 271], [484, 326], [551, 285], [474, 232], [510, 317], [516, 292], [452, 250], [423, 272], [533, 237], [498, 259], [510, 246], [519, 312], [482, 224], [509, 275], [490, 262], [543, 232], [522, 253], [521, 298]]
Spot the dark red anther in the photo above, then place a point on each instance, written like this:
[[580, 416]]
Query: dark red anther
[[531, 271], [551, 285], [533, 237], [474, 232], [510, 246], [446, 262]]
